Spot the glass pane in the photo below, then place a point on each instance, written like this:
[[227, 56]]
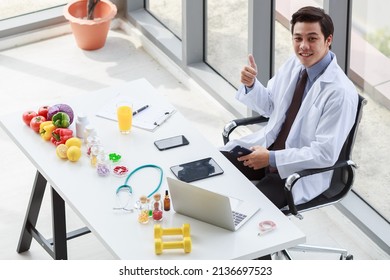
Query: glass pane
[[168, 12], [13, 8], [370, 69], [227, 37]]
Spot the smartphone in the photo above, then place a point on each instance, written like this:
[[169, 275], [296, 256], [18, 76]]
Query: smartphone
[[171, 142], [239, 151], [196, 170]]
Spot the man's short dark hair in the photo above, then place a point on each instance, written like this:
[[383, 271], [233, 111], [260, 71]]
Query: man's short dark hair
[[313, 14]]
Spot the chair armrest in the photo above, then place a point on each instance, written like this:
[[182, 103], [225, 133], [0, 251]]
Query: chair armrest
[[229, 127], [293, 178]]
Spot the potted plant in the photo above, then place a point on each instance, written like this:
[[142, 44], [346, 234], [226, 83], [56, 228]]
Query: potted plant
[[90, 21]]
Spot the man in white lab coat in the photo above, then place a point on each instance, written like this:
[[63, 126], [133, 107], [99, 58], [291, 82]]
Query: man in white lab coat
[[325, 117]]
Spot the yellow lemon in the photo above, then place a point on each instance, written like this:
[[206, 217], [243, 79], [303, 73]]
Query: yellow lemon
[[73, 153], [74, 141], [61, 151]]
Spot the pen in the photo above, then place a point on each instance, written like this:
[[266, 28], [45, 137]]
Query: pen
[[140, 110], [164, 118]]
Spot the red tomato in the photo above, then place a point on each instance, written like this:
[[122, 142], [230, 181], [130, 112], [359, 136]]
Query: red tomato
[[36, 122], [42, 111], [27, 116]]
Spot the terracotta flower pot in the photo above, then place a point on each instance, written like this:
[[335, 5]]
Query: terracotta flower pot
[[90, 34]]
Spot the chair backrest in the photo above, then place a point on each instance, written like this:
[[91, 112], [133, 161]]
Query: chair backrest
[[343, 178]]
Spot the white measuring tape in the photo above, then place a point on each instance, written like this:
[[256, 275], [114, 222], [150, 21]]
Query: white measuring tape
[[266, 226]]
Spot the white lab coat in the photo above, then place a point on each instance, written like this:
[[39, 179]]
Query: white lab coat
[[321, 126]]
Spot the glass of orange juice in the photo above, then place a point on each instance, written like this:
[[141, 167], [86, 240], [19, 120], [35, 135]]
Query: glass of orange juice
[[124, 112]]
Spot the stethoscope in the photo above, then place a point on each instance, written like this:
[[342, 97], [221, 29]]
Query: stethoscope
[[129, 189], [265, 226]]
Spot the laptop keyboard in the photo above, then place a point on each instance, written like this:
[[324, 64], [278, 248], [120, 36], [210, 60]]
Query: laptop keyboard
[[238, 217]]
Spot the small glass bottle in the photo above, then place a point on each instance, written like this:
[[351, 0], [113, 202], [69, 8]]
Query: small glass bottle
[[89, 131], [81, 122], [95, 151], [143, 210], [103, 164], [90, 142], [157, 208], [167, 201], [150, 208]]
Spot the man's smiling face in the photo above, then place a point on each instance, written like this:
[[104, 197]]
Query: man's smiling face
[[309, 43]]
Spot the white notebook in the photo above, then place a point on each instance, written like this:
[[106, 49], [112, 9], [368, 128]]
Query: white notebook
[[150, 119]]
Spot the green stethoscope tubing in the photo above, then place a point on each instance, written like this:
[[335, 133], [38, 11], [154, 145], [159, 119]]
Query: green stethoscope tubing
[[127, 186]]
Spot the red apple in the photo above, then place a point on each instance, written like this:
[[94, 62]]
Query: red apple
[[42, 111], [27, 117]]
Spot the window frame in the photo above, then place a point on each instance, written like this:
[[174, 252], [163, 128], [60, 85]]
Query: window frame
[[32, 21]]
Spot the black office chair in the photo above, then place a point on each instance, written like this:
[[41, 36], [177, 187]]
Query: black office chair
[[341, 184]]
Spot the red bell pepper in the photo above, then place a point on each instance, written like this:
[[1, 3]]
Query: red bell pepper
[[60, 135]]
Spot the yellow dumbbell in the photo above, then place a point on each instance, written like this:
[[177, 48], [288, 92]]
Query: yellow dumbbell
[[185, 244], [159, 231]]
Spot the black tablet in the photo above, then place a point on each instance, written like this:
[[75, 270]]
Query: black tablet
[[197, 170]]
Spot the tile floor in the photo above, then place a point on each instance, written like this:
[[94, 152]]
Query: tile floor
[[46, 71]]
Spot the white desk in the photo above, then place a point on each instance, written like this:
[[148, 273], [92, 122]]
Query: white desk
[[92, 197]]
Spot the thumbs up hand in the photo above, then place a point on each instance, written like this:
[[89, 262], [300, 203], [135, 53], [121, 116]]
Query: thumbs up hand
[[249, 72]]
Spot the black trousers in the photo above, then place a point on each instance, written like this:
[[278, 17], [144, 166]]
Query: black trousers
[[270, 184]]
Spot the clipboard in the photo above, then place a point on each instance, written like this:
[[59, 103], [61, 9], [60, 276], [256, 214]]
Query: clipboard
[[149, 119]]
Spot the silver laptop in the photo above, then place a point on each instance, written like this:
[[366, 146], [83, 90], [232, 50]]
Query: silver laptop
[[210, 207]]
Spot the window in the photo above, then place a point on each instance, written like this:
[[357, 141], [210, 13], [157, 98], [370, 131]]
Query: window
[[12, 8], [370, 69], [168, 12], [227, 37]]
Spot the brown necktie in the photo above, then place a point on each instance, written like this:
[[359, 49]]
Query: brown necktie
[[292, 111]]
